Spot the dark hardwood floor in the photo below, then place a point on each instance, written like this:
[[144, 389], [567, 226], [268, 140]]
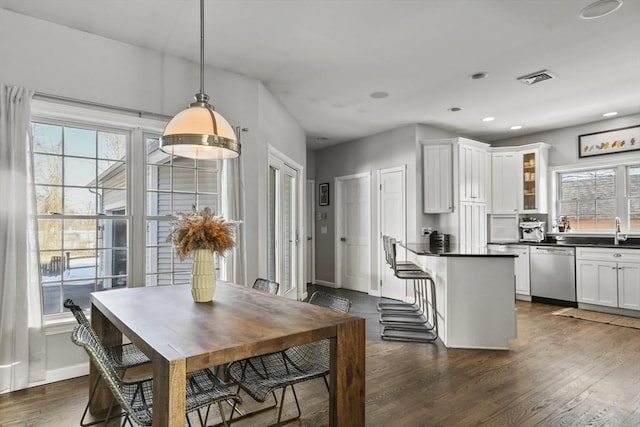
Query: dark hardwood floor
[[559, 372]]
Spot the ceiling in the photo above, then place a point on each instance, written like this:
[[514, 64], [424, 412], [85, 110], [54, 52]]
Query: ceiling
[[322, 59]]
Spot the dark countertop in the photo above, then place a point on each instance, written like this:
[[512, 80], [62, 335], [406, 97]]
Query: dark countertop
[[581, 243], [426, 249]]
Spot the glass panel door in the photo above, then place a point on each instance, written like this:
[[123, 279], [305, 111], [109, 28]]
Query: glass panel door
[[283, 227], [529, 181]]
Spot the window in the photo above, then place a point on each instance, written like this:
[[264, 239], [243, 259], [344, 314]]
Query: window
[[588, 198], [592, 199], [633, 197], [174, 184], [81, 193], [91, 222]]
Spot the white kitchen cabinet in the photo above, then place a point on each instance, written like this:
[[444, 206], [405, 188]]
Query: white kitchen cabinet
[[504, 182], [629, 285], [597, 282], [437, 178], [608, 277], [473, 226], [521, 267], [463, 212], [526, 168], [474, 170], [523, 281]]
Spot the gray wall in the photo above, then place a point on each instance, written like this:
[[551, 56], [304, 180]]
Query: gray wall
[[389, 149], [57, 60], [564, 142]]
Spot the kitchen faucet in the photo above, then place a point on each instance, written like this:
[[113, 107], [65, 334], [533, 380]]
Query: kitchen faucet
[[617, 237]]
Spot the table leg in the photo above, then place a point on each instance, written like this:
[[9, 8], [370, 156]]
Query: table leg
[[347, 377], [169, 385], [109, 335]]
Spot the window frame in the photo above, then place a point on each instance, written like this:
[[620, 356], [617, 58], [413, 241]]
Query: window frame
[[622, 204], [137, 129]]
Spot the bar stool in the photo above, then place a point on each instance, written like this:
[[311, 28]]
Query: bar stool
[[416, 327], [387, 241]]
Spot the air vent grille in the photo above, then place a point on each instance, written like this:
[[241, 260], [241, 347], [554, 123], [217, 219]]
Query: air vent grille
[[536, 77]]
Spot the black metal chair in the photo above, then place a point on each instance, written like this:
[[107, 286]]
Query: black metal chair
[[260, 376], [136, 397], [122, 357], [412, 326], [265, 285]]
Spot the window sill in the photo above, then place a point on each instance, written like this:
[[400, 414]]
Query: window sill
[[60, 324]]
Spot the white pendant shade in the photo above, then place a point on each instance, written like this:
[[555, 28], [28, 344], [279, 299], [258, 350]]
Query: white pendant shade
[[199, 132]]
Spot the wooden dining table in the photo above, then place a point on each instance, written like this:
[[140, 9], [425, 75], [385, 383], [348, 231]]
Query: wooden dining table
[[180, 336]]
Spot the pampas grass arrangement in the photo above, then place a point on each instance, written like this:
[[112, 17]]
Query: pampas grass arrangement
[[201, 230]]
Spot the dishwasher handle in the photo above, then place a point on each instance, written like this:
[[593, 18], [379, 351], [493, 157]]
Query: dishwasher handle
[[545, 250]]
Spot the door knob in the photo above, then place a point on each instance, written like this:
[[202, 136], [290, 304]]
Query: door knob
[[343, 239]]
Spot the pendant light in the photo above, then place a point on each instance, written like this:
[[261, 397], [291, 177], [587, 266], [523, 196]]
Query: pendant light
[[199, 132]]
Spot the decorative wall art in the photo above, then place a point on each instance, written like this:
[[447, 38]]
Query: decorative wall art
[[609, 141], [324, 194]]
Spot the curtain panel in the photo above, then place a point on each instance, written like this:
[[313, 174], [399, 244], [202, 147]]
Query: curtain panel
[[22, 340], [233, 209]]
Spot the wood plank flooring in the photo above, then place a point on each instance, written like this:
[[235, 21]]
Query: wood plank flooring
[[559, 372]]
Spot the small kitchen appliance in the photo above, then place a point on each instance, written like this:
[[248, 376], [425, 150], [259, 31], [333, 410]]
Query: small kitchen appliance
[[532, 230]]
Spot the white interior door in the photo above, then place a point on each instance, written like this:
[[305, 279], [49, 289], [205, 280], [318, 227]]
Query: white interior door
[[309, 227], [354, 232], [392, 214], [283, 227]]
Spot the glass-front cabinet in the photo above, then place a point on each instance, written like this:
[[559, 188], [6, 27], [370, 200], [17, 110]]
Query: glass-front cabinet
[[529, 193], [534, 179]]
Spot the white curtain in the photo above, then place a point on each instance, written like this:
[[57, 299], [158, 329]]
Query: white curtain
[[22, 341], [233, 209]]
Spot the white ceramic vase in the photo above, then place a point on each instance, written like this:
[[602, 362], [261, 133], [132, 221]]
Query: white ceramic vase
[[203, 275]]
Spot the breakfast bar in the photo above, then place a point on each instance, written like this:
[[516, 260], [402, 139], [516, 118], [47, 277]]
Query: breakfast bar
[[475, 295]]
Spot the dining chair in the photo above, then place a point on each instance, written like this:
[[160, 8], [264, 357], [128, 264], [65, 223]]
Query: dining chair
[[136, 397], [122, 357], [262, 375], [266, 285]]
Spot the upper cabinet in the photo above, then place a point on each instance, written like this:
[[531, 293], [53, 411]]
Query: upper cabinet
[[454, 170], [504, 182], [474, 171], [519, 179], [534, 179], [437, 174]]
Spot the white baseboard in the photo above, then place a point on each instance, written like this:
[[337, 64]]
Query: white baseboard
[[375, 293], [328, 284], [65, 373]]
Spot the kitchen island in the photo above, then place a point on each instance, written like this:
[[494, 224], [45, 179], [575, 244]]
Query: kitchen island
[[475, 295]]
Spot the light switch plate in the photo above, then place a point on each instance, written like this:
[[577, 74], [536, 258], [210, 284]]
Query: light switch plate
[[323, 230]]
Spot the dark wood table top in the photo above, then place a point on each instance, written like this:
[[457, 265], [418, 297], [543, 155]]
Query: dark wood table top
[[238, 323]]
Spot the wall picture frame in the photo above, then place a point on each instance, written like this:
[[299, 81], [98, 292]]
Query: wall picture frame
[[323, 194], [611, 141]]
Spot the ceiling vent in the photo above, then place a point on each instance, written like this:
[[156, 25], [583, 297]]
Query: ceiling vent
[[536, 77]]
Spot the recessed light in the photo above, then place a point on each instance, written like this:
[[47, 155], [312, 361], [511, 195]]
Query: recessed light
[[600, 8], [479, 76], [454, 109], [488, 119], [516, 127], [379, 95], [610, 114]]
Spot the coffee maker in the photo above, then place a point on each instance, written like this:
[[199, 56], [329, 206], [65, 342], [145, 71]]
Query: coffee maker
[[532, 230]]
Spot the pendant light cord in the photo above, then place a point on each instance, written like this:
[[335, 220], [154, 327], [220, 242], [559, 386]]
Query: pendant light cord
[[201, 46]]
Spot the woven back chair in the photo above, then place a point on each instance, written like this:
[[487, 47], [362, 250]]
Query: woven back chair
[[121, 357], [260, 376], [136, 397], [265, 285]]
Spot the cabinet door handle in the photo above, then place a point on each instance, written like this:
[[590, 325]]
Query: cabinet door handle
[[617, 255], [614, 268]]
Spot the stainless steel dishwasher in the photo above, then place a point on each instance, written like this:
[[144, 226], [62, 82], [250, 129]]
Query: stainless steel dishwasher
[[553, 274]]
